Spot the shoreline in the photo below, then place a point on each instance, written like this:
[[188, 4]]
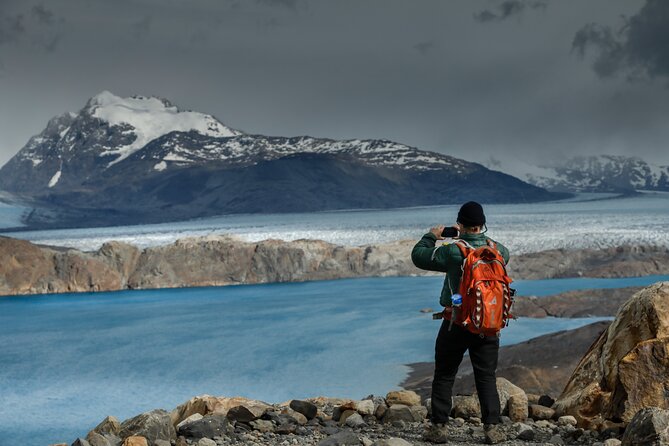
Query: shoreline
[[27, 268]]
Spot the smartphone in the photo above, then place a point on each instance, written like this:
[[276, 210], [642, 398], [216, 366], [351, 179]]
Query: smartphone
[[450, 232]]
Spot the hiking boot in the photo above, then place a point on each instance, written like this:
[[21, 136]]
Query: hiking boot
[[494, 433], [436, 433]]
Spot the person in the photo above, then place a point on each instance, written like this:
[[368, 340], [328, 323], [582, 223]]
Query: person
[[453, 340]]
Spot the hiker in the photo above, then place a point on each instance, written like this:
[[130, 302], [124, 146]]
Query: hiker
[[455, 338]]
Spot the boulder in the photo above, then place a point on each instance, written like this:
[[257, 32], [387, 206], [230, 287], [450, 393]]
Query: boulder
[[296, 416], [398, 412], [205, 405], [517, 407], [154, 425], [405, 397], [81, 442], [210, 426], [262, 425], [539, 412], [135, 440], [110, 425], [365, 407], [627, 368], [419, 413], [190, 419], [506, 389], [649, 426], [96, 439], [306, 408], [355, 420], [466, 406], [247, 411], [206, 442]]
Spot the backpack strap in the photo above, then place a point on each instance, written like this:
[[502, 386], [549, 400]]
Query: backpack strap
[[465, 248], [491, 243]]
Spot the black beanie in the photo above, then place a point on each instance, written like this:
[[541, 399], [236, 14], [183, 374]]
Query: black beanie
[[471, 214]]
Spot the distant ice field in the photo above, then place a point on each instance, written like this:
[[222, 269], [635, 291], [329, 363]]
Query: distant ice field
[[589, 220]]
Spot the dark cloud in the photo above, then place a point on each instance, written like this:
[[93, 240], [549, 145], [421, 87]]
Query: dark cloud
[[637, 48], [424, 47], [43, 15], [12, 28], [141, 28], [289, 4], [506, 9]]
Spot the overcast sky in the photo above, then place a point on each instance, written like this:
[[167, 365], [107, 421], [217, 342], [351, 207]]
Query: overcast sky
[[530, 79]]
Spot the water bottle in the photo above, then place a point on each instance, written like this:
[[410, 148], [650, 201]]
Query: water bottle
[[456, 302]]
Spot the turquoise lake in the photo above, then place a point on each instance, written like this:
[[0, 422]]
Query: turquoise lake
[[69, 360]]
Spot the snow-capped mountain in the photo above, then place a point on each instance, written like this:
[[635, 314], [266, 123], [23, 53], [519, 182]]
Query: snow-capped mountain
[[131, 156], [602, 173]]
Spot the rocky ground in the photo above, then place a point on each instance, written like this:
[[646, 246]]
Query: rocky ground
[[399, 419], [26, 268]]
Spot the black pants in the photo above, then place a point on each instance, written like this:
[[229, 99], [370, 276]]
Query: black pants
[[449, 351]]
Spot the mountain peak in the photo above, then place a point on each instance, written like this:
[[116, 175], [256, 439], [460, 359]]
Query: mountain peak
[[149, 118]]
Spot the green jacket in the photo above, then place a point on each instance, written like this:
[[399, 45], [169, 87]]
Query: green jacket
[[447, 258]]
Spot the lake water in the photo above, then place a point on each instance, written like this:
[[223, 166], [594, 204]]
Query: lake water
[[69, 360], [589, 220]]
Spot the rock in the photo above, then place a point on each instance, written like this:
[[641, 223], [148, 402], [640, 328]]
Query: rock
[[391, 442], [190, 419], [506, 389], [162, 443], [566, 420], [612, 442], [262, 425], [110, 425], [248, 411], [556, 439], [649, 426], [517, 407], [206, 442], [355, 420], [419, 413], [546, 400], [524, 432], [181, 441], [532, 398], [405, 397], [81, 442], [466, 406], [398, 412], [154, 425], [341, 438], [296, 416], [544, 424], [345, 414], [135, 440], [205, 405], [365, 407], [209, 426], [539, 412], [306, 408], [96, 439], [380, 411], [364, 440], [627, 367]]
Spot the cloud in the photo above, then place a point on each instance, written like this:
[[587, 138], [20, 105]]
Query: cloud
[[424, 47], [141, 28], [637, 48], [507, 9], [42, 15], [288, 4], [12, 28]]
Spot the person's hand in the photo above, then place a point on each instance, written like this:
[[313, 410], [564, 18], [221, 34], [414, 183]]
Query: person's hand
[[437, 230]]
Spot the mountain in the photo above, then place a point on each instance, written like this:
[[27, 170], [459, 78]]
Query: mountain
[[141, 159], [602, 173]]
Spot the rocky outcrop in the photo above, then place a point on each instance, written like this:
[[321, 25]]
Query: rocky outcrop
[[622, 261], [627, 368], [26, 268]]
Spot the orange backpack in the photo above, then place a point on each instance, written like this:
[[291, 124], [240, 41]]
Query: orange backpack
[[486, 295]]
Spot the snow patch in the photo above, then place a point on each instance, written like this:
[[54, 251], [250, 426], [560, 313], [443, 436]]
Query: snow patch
[[54, 179], [151, 118], [36, 162], [160, 166]]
